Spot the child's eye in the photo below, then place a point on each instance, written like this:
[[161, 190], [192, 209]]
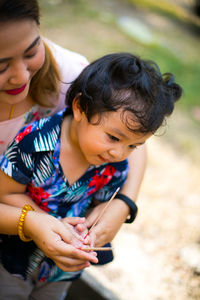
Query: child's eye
[[113, 138], [132, 147]]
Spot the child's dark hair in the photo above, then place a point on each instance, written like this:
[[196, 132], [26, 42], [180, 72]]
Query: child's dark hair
[[13, 10], [124, 81]]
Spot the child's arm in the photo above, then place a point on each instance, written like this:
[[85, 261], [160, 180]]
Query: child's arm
[[52, 236], [118, 211], [109, 224]]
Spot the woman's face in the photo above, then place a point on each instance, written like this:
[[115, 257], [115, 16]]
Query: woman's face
[[22, 54]]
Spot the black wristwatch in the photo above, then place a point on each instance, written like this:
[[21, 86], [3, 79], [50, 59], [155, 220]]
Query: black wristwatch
[[132, 206]]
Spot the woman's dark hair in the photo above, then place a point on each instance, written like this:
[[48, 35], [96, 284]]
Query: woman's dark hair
[[13, 10], [126, 82]]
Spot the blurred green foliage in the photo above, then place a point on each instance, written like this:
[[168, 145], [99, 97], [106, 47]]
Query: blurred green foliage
[[91, 28], [171, 9]]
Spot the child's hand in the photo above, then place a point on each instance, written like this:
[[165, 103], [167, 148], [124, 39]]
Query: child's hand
[[76, 225], [107, 227], [58, 241], [79, 227]]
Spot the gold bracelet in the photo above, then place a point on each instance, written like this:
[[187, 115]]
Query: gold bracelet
[[20, 227]]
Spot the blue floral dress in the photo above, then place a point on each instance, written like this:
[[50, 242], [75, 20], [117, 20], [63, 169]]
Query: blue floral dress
[[33, 159]]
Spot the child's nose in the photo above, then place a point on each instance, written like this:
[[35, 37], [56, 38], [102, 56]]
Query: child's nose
[[19, 74], [118, 153]]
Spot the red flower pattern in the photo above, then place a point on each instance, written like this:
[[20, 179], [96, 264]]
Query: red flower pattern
[[37, 195], [98, 181], [37, 116], [21, 135]]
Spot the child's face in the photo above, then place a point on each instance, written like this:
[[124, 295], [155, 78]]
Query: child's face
[[21, 56], [109, 141]]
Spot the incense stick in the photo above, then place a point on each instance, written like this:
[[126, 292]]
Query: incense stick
[[102, 212], [96, 248]]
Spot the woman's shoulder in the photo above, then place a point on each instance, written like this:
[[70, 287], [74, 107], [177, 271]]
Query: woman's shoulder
[[70, 66], [70, 63]]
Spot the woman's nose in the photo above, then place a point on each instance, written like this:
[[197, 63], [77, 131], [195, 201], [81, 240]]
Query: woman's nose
[[19, 74]]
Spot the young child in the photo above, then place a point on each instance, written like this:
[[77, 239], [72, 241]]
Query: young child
[[63, 163], [35, 74]]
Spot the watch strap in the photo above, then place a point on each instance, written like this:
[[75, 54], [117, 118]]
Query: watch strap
[[133, 207]]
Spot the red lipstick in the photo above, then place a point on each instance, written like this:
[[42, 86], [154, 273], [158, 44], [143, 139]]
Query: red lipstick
[[16, 91]]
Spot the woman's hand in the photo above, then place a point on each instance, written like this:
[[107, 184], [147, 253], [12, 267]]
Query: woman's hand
[[59, 241]]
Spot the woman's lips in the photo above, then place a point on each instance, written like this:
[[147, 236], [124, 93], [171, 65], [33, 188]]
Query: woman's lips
[[16, 91]]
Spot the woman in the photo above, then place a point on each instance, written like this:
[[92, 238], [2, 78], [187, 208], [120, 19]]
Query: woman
[[34, 77]]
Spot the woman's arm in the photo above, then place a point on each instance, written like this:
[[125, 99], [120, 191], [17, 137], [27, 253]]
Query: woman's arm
[[137, 163], [53, 237]]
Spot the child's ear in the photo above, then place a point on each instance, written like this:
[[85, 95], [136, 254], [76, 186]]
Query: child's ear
[[77, 111]]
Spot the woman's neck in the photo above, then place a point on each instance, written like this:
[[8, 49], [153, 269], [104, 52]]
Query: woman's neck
[[11, 111]]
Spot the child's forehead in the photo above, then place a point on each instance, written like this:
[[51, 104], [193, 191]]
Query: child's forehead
[[119, 115], [122, 125], [125, 126], [119, 119]]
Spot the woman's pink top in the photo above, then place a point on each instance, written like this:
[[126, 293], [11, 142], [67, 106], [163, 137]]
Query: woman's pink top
[[70, 64]]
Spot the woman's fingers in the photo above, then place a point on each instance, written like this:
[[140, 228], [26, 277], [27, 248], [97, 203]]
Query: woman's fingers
[[72, 268], [72, 259], [57, 247], [72, 252], [58, 241]]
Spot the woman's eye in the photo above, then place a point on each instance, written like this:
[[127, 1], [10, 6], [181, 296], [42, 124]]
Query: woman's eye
[[2, 70], [30, 55], [113, 138]]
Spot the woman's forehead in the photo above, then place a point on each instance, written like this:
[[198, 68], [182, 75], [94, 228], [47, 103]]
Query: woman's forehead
[[16, 37]]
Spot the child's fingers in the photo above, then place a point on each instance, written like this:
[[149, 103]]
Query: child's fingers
[[92, 237], [81, 227], [87, 240], [73, 220], [69, 234], [76, 230]]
